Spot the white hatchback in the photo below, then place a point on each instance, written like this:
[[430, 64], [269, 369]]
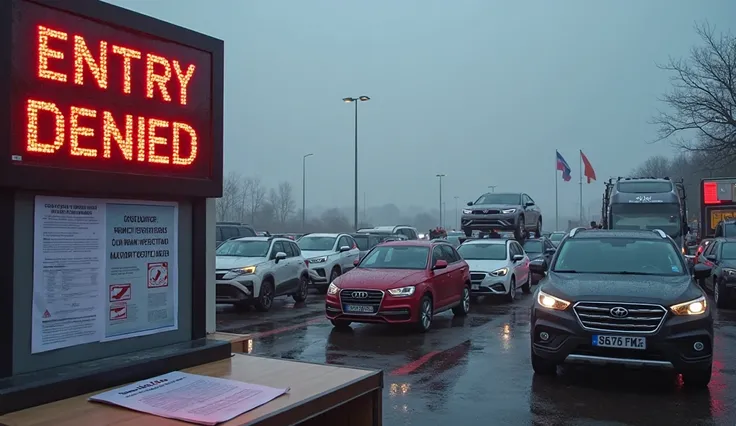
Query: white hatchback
[[497, 267]]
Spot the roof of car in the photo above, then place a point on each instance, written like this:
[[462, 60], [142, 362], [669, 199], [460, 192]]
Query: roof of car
[[616, 233], [487, 241], [415, 243], [255, 239], [321, 235]]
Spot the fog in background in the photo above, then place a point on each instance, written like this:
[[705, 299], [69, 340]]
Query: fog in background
[[481, 90]]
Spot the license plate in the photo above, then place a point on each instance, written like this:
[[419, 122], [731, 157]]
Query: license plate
[[474, 286], [359, 309], [623, 342]]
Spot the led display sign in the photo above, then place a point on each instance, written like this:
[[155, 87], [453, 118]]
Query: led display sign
[[89, 95]]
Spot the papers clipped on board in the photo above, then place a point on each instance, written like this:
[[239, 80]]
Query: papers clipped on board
[[190, 397]]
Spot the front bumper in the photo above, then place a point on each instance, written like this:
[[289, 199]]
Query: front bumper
[[240, 290], [390, 310], [670, 348], [501, 222], [483, 283]]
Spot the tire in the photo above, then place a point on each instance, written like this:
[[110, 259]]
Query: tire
[[463, 308], [538, 229], [265, 298], [511, 295], [542, 366], [519, 231], [697, 379], [340, 324], [527, 287], [720, 298], [426, 312], [468, 232], [303, 290], [333, 276]]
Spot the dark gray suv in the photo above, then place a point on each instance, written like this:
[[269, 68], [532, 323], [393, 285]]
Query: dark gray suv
[[515, 212]]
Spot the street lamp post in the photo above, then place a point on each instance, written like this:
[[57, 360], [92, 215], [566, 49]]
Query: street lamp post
[[456, 224], [492, 188], [440, 176], [355, 101], [304, 189]]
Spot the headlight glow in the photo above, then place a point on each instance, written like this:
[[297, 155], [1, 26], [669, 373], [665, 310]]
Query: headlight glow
[[507, 211], [500, 272], [551, 302], [693, 307], [402, 292], [322, 259], [332, 289], [245, 270]]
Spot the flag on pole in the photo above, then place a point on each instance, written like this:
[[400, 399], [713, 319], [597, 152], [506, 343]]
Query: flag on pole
[[563, 167], [588, 171]]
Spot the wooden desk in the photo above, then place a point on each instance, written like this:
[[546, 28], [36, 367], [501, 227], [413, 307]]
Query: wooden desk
[[320, 395], [240, 343]]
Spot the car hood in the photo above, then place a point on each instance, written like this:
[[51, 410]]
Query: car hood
[[231, 262], [310, 254], [728, 264], [493, 206], [486, 265], [380, 279], [619, 288]]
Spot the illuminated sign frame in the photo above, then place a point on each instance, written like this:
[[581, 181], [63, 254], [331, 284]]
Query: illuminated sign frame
[[191, 162]]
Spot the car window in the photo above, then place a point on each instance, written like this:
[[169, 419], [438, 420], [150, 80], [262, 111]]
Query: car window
[[316, 243], [619, 255], [396, 257], [287, 249], [556, 236], [447, 254], [342, 242], [374, 241], [709, 249], [295, 249], [436, 255], [243, 248], [351, 242], [529, 199], [483, 251], [533, 246], [228, 232], [245, 231], [490, 198], [524, 198], [413, 234], [277, 247], [728, 251], [363, 242]]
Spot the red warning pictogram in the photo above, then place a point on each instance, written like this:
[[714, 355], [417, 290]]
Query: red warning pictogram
[[158, 274], [118, 311], [120, 292], [46, 314]]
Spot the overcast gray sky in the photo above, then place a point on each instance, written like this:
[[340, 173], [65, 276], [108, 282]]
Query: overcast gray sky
[[481, 90]]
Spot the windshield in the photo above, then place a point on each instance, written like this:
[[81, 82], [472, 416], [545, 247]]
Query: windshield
[[728, 251], [619, 255], [533, 246], [362, 242], [316, 243], [644, 187], [647, 216], [243, 248], [557, 236], [396, 257], [483, 251], [514, 199]]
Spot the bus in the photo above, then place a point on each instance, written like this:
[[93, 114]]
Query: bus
[[717, 207], [646, 203]]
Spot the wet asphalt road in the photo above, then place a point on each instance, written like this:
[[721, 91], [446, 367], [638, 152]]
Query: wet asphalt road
[[476, 370]]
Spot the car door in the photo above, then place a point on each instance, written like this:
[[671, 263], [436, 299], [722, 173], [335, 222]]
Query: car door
[[521, 268], [548, 250], [710, 251], [280, 269], [456, 280], [353, 254], [343, 256], [291, 265], [440, 279]]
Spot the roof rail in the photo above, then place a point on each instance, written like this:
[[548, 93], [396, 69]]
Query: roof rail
[[660, 233], [574, 231]]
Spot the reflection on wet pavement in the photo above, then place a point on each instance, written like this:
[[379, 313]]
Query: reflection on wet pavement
[[476, 370]]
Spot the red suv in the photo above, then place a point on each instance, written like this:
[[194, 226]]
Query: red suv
[[401, 282]]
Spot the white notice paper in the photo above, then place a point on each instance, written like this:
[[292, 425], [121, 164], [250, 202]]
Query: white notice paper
[[190, 397]]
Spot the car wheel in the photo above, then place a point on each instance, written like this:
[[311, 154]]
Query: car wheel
[[333, 276], [519, 231], [426, 312], [265, 299], [697, 378], [542, 366], [527, 287], [303, 290], [511, 295], [468, 232], [720, 298], [340, 324], [464, 307]]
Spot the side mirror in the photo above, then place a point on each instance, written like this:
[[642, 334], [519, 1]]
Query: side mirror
[[701, 271], [441, 264], [517, 257], [470, 203], [529, 204], [538, 266], [356, 262], [343, 249], [711, 257], [550, 251], [280, 256]]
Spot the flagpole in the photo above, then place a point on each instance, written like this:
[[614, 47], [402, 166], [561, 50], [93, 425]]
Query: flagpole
[[557, 199], [581, 187]]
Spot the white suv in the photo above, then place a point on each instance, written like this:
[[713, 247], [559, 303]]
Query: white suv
[[254, 270], [329, 256], [497, 267]]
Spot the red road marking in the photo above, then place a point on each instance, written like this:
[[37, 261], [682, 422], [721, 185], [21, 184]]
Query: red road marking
[[414, 365], [282, 329]]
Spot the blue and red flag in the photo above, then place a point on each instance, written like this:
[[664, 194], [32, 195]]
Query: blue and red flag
[[563, 167]]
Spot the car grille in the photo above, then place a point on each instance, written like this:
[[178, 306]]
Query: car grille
[[641, 318], [489, 211], [477, 276], [372, 297]]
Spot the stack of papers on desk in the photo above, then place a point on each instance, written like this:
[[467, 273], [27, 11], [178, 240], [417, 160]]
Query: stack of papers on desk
[[190, 397]]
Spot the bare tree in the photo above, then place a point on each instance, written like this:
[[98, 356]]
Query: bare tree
[[256, 198], [227, 204], [703, 98], [246, 192], [657, 166], [282, 200]]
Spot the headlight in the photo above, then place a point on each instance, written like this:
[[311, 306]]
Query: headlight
[[332, 289], [729, 272], [500, 272], [693, 307], [467, 211], [246, 270], [507, 211], [551, 302], [322, 259], [402, 292]]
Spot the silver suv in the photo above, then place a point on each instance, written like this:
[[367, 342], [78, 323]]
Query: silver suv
[[329, 256], [254, 270], [515, 212]]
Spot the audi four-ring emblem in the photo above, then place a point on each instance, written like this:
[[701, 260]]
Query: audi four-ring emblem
[[619, 312], [360, 294]]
